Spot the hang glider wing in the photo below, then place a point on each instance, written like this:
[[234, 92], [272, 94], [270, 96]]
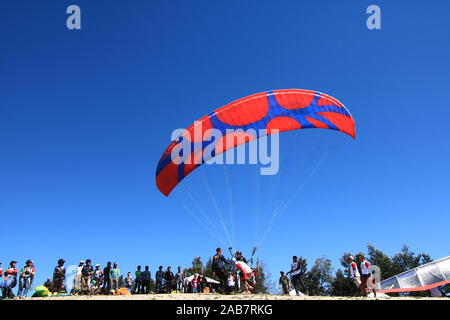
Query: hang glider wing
[[425, 277]]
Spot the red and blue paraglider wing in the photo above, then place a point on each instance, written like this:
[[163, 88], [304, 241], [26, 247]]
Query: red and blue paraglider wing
[[275, 111]]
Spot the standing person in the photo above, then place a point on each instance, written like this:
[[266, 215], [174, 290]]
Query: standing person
[[296, 273], [366, 276], [201, 282], [354, 272], [218, 266], [168, 276], [26, 275], [10, 280], [1, 270], [284, 283], [59, 276], [179, 276], [137, 281], [231, 281], [97, 280], [86, 273], [33, 274], [194, 284], [77, 280], [159, 276], [107, 278], [115, 275], [128, 281], [146, 276], [239, 257]]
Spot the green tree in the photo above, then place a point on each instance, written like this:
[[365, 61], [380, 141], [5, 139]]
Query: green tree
[[342, 285], [384, 262], [389, 266], [263, 283], [197, 267], [406, 260], [320, 277], [208, 271]]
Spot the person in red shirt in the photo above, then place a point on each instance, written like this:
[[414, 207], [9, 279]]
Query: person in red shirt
[[194, 284], [10, 280]]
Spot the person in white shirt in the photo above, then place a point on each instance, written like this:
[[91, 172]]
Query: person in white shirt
[[296, 273], [77, 280], [230, 282], [366, 277], [354, 272]]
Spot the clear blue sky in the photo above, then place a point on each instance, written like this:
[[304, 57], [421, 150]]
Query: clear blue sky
[[85, 116]]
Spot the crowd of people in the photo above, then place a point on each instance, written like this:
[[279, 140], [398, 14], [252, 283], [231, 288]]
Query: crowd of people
[[243, 281], [234, 275], [94, 281], [12, 275], [364, 280]]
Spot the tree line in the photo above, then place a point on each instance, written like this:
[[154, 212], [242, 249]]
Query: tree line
[[323, 280]]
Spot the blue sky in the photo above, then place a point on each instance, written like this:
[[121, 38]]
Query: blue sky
[[86, 115]]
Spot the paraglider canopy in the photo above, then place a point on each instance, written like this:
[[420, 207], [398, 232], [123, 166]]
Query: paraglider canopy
[[266, 113]]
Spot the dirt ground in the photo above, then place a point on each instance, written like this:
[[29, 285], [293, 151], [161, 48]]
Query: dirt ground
[[202, 296]]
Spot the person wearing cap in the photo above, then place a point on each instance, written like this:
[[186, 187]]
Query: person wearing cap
[[354, 272], [10, 280], [296, 274], [366, 276], [97, 279], [77, 280], [218, 267], [86, 273], [26, 275], [59, 276]]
